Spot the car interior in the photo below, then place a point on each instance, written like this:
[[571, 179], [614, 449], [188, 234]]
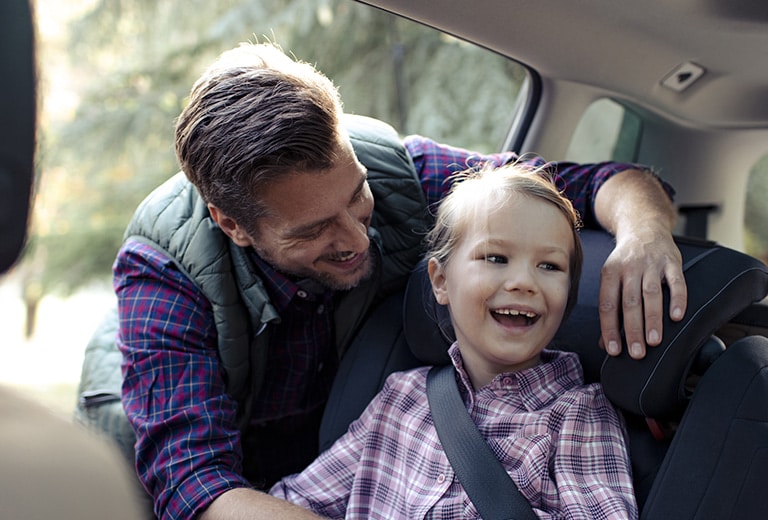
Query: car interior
[[17, 140], [654, 394], [685, 87], [694, 107], [690, 73]]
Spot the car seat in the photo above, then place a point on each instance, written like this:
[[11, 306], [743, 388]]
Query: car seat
[[696, 406]]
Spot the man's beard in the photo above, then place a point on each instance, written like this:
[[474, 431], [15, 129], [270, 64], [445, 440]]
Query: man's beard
[[327, 280]]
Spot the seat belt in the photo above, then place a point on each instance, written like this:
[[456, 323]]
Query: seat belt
[[482, 475]]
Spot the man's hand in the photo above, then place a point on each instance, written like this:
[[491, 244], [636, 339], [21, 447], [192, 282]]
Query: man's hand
[[631, 284], [635, 208]]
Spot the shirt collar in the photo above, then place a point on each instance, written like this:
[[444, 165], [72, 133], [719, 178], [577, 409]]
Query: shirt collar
[[536, 387], [282, 289]]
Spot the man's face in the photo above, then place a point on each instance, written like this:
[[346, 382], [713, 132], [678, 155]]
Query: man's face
[[317, 225]]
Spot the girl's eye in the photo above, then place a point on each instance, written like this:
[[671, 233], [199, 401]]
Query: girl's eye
[[496, 259], [549, 266]]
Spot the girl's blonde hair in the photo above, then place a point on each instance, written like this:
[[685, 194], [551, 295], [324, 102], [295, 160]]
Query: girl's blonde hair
[[488, 188]]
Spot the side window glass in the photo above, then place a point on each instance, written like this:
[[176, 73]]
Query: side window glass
[[423, 81], [607, 131], [756, 211]]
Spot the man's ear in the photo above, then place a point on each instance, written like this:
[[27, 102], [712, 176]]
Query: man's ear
[[230, 227], [436, 272]]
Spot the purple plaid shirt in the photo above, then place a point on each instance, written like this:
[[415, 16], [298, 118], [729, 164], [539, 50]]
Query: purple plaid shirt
[[189, 449], [561, 441]]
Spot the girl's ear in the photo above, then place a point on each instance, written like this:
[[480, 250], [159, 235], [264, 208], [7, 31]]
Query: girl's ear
[[436, 272]]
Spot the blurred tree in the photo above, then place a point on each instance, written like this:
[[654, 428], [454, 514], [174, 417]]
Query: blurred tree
[[137, 59]]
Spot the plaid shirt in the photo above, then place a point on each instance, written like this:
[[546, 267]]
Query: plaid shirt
[[435, 163], [561, 442], [189, 449]]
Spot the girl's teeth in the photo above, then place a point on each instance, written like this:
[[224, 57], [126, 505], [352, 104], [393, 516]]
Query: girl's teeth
[[510, 312]]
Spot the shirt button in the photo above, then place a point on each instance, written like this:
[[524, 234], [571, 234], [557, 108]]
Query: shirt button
[[320, 308], [507, 382], [301, 293], [440, 478]]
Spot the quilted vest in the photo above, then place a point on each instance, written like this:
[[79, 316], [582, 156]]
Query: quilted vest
[[175, 220]]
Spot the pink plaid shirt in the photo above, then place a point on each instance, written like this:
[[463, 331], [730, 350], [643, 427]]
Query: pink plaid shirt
[[561, 441]]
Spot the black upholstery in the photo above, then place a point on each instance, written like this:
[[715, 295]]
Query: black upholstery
[[717, 464], [378, 350], [721, 283], [18, 96]]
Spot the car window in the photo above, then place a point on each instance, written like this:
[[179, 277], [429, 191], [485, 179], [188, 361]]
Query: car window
[[756, 211], [607, 131], [434, 85]]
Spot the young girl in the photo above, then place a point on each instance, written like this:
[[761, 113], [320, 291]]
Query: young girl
[[505, 258]]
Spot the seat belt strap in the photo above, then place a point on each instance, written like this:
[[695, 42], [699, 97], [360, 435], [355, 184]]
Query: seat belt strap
[[485, 480]]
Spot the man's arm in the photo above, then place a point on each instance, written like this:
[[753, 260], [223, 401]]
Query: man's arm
[[244, 503], [174, 393], [181, 405], [634, 207]]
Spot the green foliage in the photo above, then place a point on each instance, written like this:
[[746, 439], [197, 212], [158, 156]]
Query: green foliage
[[135, 61], [756, 211]]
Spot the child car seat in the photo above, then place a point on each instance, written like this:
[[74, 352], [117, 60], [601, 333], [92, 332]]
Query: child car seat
[[727, 412]]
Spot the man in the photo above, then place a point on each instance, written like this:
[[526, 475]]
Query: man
[[240, 285]]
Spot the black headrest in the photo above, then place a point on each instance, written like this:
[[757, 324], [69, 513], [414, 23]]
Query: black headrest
[[18, 94], [721, 283], [426, 324]]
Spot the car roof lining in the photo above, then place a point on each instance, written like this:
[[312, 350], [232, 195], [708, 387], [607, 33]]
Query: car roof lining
[[625, 49]]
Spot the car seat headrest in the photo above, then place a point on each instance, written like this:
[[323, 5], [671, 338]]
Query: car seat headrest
[[426, 324], [721, 283]]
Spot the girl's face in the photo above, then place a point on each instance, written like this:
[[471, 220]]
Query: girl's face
[[506, 285]]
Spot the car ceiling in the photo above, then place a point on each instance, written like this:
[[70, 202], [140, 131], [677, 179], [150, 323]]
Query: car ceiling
[[627, 48]]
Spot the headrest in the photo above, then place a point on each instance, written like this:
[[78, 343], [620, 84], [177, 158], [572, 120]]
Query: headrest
[[18, 96], [426, 324], [721, 283]]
